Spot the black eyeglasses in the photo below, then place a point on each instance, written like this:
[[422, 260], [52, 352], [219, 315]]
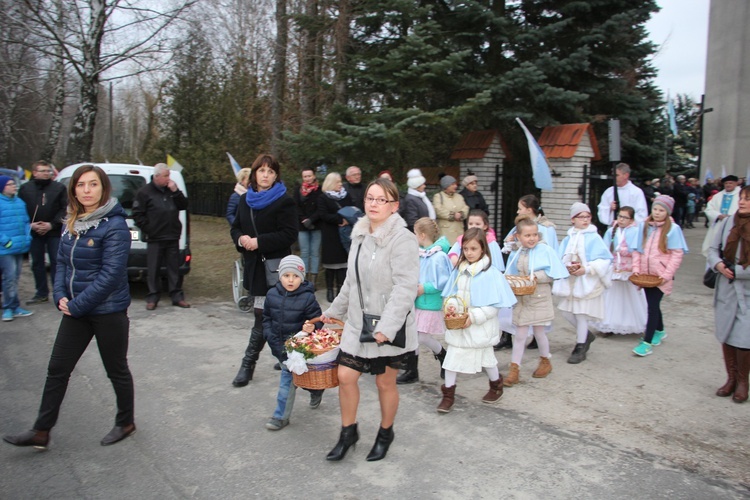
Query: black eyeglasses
[[378, 201]]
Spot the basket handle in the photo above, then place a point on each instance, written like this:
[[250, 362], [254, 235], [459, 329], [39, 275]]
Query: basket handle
[[319, 319], [463, 302]]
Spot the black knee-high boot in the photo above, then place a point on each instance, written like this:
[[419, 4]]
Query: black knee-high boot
[[254, 346], [330, 277]]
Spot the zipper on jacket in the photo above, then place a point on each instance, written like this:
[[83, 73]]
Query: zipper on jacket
[[72, 265]]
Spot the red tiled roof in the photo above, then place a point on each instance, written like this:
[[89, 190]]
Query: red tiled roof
[[562, 141], [474, 145]]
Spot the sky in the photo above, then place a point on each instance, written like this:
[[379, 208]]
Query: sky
[[680, 28]]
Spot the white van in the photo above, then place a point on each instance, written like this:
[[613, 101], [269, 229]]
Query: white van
[[126, 181]]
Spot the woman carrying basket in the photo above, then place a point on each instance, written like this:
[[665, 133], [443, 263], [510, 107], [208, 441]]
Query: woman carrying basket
[[382, 280]]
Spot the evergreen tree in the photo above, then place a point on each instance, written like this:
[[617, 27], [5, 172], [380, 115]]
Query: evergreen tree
[[192, 126]]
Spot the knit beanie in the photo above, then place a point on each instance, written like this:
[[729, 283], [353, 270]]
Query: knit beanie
[[415, 178], [292, 264], [578, 208], [447, 181], [468, 180], [4, 179], [665, 201]]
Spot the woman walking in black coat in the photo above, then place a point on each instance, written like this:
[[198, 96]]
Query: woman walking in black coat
[[334, 255], [266, 226]]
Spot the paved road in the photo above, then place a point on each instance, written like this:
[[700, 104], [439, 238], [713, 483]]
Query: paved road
[[198, 437]]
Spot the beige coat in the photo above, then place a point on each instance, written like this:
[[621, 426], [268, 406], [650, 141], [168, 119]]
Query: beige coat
[[389, 269], [446, 206], [537, 308]]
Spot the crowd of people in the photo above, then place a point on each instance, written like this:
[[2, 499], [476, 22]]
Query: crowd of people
[[432, 272]]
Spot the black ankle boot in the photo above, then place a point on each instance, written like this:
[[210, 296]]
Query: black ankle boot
[[329, 295], [382, 443], [441, 357], [411, 372], [506, 342], [349, 437]]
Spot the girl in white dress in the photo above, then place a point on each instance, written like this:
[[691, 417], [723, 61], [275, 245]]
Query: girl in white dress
[[478, 284], [625, 308], [589, 263]]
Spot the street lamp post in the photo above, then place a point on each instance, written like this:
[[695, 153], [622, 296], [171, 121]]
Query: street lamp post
[[703, 111]]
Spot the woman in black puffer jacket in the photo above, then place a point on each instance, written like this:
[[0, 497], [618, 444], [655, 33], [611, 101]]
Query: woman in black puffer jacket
[[92, 292]]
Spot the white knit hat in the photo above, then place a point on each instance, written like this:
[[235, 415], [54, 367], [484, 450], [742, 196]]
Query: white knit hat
[[578, 208], [414, 178]]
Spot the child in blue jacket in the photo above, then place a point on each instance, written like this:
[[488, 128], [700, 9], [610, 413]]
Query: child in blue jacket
[[289, 304]]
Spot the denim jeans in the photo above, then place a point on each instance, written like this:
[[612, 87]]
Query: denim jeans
[[309, 249], [285, 396], [73, 337], [39, 246], [11, 270]]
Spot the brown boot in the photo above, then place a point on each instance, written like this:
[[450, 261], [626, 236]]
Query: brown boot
[[512, 378], [495, 392], [544, 368], [449, 396], [730, 362], [743, 370]]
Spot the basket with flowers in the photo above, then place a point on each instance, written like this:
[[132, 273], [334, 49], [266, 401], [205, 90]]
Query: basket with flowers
[[312, 357]]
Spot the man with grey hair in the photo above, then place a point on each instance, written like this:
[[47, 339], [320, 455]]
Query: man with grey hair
[[629, 195], [354, 186], [156, 211], [680, 192]]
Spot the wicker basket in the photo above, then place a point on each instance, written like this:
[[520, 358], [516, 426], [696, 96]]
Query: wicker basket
[[645, 280], [455, 322], [318, 352], [521, 285], [321, 376], [325, 376]]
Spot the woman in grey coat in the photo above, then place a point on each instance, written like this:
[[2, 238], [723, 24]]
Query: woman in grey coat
[[388, 276], [729, 254]]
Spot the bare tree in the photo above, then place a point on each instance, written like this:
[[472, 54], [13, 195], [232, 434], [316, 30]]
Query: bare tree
[[19, 76], [278, 75], [98, 36]]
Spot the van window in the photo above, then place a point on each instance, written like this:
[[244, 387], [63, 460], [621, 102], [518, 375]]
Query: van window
[[124, 188]]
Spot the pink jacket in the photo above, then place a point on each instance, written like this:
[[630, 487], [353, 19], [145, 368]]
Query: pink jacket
[[652, 261]]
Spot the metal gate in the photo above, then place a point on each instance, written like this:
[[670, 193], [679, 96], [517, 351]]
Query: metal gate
[[517, 182]]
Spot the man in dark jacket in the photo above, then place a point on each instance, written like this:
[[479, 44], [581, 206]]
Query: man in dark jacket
[[156, 211], [354, 187], [46, 203]]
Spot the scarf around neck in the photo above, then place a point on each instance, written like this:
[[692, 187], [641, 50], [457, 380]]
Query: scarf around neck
[[739, 233], [87, 221], [308, 187], [425, 200], [259, 200], [337, 195]]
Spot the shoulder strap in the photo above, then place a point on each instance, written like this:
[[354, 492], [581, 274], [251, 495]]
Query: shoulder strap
[[252, 219], [359, 286]]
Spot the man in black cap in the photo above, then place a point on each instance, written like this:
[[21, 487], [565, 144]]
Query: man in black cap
[[722, 205]]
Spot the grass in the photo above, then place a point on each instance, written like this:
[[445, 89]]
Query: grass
[[210, 278]]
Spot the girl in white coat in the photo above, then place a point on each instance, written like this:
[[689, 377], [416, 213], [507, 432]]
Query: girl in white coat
[[478, 284]]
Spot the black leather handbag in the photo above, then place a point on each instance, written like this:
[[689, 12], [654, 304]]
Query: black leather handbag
[[370, 321]]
